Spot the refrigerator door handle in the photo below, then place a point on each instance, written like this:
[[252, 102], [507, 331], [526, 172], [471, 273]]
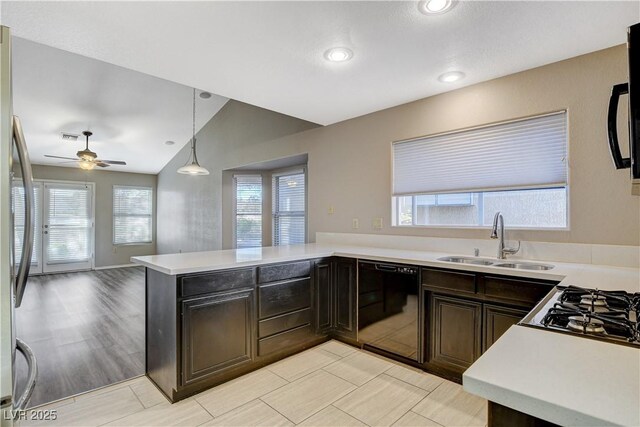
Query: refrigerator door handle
[[27, 242], [612, 126], [32, 365]]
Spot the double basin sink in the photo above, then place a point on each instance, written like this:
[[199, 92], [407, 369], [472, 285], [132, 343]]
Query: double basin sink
[[497, 263]]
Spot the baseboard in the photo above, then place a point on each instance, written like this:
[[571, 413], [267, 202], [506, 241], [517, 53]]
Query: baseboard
[[107, 267]]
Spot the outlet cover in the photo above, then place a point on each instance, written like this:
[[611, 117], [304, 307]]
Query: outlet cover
[[377, 223], [331, 210], [355, 223]]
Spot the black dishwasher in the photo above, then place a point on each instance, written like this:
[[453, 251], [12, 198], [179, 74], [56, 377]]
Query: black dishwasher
[[388, 307]]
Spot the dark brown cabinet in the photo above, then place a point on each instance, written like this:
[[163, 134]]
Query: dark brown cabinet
[[322, 280], [465, 313], [344, 298], [456, 332], [217, 333], [497, 320]]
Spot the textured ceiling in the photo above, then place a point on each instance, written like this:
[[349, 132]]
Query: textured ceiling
[[270, 54], [131, 114]]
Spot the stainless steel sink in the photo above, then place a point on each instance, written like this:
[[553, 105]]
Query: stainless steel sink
[[525, 266], [466, 260]]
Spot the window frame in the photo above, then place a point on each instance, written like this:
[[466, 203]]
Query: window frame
[[274, 200], [395, 200], [113, 214], [234, 221]]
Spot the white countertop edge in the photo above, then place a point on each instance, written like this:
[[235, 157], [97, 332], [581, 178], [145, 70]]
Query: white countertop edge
[[554, 413]]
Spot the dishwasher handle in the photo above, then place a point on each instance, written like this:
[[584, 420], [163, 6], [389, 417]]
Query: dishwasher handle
[[386, 267]]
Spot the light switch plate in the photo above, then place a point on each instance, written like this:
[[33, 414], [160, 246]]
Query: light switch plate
[[377, 223], [355, 223]]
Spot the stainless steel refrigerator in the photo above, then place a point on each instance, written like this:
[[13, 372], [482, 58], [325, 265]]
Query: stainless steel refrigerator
[[16, 242]]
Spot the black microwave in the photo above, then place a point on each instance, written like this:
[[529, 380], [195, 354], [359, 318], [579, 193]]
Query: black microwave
[[633, 89]]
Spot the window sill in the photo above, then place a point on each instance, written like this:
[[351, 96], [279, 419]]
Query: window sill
[[133, 244], [478, 227]]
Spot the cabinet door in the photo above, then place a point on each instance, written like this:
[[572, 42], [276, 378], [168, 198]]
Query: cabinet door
[[455, 332], [322, 302], [496, 322], [344, 298], [217, 334]]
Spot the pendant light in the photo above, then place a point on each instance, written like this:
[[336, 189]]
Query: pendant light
[[192, 167]]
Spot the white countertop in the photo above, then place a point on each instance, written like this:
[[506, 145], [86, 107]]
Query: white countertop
[[562, 378]]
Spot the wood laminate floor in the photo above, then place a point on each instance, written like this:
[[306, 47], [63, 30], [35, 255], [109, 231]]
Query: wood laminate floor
[[86, 330], [329, 385]]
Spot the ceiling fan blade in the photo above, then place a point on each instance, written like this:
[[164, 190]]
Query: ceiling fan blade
[[102, 164], [58, 157], [113, 162]]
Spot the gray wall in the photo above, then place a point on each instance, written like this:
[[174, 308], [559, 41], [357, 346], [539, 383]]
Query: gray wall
[[106, 253], [349, 166], [190, 207]]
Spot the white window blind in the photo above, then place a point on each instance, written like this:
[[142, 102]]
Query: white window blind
[[527, 153], [18, 221], [289, 208], [69, 222], [132, 215], [248, 227]]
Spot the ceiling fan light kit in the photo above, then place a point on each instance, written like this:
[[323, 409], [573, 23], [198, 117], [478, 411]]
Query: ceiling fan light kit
[[192, 167], [87, 159]]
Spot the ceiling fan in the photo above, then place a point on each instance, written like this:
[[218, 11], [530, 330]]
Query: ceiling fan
[[88, 159]]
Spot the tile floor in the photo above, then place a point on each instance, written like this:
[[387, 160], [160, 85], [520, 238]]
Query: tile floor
[[329, 385]]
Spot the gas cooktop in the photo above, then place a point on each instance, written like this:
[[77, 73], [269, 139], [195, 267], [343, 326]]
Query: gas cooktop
[[605, 315]]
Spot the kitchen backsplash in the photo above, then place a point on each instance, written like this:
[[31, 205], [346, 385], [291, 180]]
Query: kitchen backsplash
[[613, 255]]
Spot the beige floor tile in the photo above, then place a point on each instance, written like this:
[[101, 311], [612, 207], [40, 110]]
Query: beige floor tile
[[419, 379], [411, 419], [107, 389], [308, 395], [450, 405], [54, 405], [358, 368], [233, 394], [336, 347], [302, 364], [96, 410], [184, 413], [148, 394], [381, 401], [332, 417], [253, 414]]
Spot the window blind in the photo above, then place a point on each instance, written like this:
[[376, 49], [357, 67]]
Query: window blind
[[527, 153], [289, 208], [132, 215], [69, 223], [18, 221], [248, 227]]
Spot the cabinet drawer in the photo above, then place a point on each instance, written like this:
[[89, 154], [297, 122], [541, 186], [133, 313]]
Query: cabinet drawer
[[279, 272], [525, 292], [283, 297], [284, 322], [285, 341], [459, 282], [218, 281]]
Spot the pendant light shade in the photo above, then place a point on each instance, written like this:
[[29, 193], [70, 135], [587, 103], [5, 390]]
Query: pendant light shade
[[192, 167]]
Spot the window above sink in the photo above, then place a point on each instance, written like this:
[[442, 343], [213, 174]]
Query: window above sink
[[462, 178]]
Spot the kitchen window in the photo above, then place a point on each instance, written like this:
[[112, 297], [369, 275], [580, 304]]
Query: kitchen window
[[462, 178], [248, 211], [289, 208], [132, 215]]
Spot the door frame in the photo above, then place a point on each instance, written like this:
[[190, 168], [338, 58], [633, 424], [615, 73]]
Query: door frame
[[92, 236]]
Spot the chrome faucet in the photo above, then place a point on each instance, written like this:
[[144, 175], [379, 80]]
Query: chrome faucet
[[498, 225]]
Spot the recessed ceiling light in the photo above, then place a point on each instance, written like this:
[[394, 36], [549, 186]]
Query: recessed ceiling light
[[338, 54], [169, 142], [435, 7], [451, 76], [205, 95]]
